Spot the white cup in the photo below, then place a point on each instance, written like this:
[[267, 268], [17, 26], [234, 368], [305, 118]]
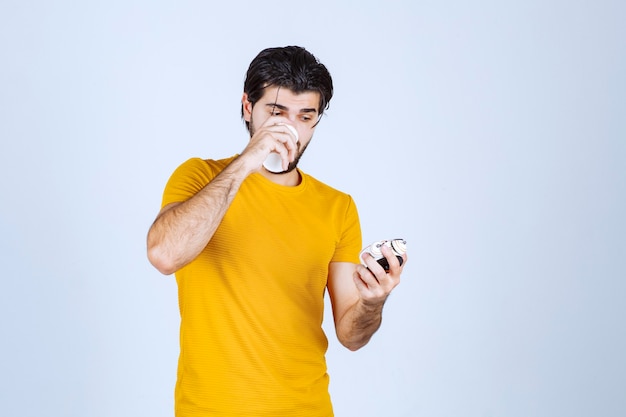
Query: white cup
[[273, 162]]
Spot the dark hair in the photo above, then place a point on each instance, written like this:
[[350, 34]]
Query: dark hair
[[291, 67]]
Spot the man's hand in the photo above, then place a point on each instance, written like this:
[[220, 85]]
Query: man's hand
[[272, 136], [373, 283]]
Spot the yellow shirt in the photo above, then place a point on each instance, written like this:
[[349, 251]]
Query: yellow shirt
[[251, 304]]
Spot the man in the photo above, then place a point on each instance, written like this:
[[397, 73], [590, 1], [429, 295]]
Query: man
[[255, 250]]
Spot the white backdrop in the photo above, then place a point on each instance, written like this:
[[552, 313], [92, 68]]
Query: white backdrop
[[491, 135]]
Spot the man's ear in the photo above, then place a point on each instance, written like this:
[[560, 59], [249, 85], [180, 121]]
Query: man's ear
[[246, 107]]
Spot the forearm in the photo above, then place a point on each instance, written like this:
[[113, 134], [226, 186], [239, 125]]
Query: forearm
[[179, 234], [358, 325]]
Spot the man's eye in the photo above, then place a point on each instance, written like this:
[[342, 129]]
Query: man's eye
[[306, 118]]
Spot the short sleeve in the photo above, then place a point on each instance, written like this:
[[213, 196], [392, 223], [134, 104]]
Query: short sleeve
[[189, 178], [350, 240]]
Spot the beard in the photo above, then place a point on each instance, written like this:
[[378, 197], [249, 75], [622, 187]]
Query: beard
[[299, 151]]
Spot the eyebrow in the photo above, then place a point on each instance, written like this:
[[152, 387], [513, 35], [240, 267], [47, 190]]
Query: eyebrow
[[285, 108]]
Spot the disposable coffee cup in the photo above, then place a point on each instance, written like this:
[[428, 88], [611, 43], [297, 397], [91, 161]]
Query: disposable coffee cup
[[273, 162]]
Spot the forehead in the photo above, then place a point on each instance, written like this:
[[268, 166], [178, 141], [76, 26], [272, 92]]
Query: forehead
[[287, 98]]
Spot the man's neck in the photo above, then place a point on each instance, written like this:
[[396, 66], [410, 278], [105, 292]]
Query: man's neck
[[289, 179]]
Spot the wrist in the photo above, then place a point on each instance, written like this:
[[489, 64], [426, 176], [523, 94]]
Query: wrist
[[371, 307], [242, 166]]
